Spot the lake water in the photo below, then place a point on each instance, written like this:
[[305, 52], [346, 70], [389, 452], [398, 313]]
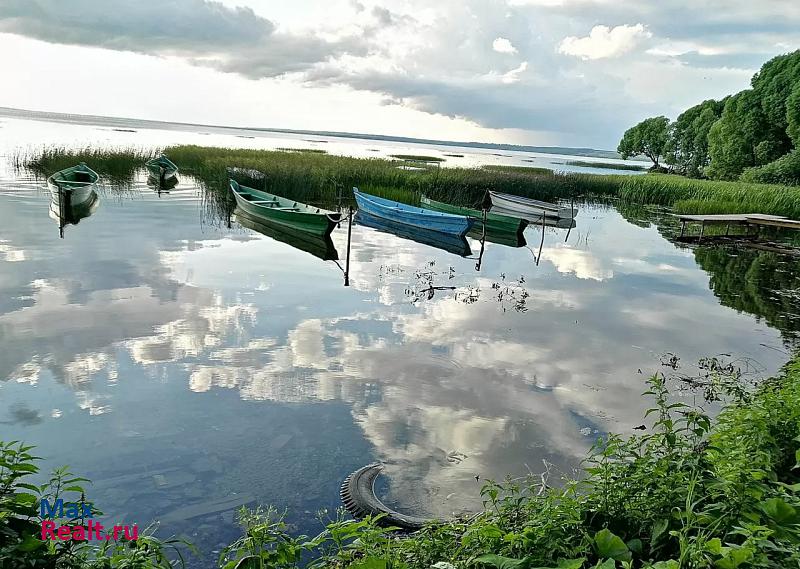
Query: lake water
[[186, 366]]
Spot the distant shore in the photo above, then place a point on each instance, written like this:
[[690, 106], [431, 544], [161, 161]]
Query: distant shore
[[121, 122]]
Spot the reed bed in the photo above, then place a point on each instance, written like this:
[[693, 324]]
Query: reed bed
[[527, 170], [314, 177], [324, 178], [118, 165], [417, 157], [606, 165]]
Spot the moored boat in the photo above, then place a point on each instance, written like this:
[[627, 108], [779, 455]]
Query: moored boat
[[418, 217], [528, 208], [162, 169], [284, 211], [495, 223], [78, 180]]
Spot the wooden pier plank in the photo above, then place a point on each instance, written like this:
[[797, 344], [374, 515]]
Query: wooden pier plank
[[786, 223]]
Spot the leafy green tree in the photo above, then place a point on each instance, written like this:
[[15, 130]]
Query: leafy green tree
[[733, 139], [649, 138], [687, 147], [758, 125], [775, 83], [793, 115]]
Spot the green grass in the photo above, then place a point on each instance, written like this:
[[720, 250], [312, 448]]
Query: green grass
[[118, 165], [605, 165], [311, 150], [705, 196], [528, 170], [316, 177]]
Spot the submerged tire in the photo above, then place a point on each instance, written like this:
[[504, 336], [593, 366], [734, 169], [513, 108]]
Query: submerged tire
[[358, 496]]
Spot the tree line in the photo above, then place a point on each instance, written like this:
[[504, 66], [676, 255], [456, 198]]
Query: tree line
[[753, 135]]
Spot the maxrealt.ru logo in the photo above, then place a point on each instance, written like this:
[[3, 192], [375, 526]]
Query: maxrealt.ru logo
[[86, 530]]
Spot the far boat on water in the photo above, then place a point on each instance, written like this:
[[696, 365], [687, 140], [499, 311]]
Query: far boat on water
[[284, 211], [163, 170], [530, 209], [318, 245], [418, 217], [449, 242]]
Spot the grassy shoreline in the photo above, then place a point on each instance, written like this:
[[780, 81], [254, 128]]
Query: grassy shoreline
[[320, 178]]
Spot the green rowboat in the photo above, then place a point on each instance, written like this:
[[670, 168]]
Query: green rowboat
[[162, 169], [284, 211], [495, 223], [79, 180]]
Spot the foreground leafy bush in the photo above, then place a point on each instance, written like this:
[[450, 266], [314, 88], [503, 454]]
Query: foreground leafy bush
[[21, 546]]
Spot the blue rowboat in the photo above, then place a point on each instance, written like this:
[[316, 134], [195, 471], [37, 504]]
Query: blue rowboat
[[427, 219], [455, 244]]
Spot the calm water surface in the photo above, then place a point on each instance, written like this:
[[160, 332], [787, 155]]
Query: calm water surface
[[188, 367]]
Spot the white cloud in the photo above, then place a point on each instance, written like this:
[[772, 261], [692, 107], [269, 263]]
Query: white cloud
[[513, 75], [503, 45], [603, 42]]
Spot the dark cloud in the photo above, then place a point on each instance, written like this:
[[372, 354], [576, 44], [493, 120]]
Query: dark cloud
[[179, 25], [438, 58], [204, 31]]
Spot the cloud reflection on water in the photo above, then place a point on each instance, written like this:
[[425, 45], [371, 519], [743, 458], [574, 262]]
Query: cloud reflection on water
[[444, 390]]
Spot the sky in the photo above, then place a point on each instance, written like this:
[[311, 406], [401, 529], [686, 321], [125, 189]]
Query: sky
[[543, 72]]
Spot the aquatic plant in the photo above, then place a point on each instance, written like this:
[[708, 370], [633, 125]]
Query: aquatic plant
[[527, 170], [325, 179], [118, 165], [605, 165], [417, 157], [311, 150]]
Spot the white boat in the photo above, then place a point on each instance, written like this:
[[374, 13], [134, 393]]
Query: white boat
[[528, 208]]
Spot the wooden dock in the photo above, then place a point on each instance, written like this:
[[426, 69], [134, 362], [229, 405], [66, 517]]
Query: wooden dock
[[749, 220]]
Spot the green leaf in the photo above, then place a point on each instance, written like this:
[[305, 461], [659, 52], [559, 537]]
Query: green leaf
[[607, 564], [370, 563], [635, 545], [671, 564], [566, 564], [571, 563], [501, 562], [779, 511], [610, 545], [30, 543], [735, 558], [658, 530], [714, 546]]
